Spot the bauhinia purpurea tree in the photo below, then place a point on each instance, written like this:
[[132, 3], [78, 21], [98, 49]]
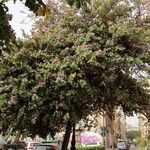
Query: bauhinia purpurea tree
[[74, 65]]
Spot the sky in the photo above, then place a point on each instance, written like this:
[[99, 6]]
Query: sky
[[133, 121], [21, 21]]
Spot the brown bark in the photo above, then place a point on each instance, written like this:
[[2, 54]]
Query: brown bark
[[67, 136]]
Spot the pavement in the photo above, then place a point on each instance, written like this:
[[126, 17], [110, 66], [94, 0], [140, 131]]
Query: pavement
[[133, 147]]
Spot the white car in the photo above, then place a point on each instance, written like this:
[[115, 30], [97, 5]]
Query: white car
[[32, 145], [48, 146], [121, 146], [90, 145]]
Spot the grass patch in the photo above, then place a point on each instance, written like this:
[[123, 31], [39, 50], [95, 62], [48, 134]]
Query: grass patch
[[91, 148]]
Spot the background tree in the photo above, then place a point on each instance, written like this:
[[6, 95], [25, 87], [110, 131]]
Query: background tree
[[132, 134], [141, 142]]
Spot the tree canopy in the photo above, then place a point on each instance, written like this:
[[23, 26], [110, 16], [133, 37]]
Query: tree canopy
[[75, 64], [82, 60]]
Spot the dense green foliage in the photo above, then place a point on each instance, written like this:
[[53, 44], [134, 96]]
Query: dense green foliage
[[78, 3], [142, 142], [133, 134], [6, 33]]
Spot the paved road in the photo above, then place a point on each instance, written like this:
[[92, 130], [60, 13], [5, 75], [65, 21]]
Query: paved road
[[133, 147]]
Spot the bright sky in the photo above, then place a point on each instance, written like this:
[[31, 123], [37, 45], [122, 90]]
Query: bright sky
[[17, 24], [133, 121], [20, 18]]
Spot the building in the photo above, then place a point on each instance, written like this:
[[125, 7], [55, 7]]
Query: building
[[116, 126], [107, 128]]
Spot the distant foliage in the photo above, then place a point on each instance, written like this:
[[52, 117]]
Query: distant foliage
[[132, 134], [142, 142]]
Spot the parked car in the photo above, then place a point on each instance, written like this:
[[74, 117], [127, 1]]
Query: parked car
[[48, 146], [12, 147], [91, 145], [32, 145], [122, 146], [147, 147], [77, 146]]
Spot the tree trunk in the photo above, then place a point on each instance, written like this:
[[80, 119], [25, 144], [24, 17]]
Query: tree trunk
[[112, 133], [17, 138], [67, 136], [73, 142]]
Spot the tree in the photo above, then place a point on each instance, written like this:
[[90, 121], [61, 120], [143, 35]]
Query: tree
[[141, 142], [7, 35], [40, 8], [132, 134], [74, 65], [7, 38]]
